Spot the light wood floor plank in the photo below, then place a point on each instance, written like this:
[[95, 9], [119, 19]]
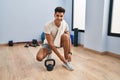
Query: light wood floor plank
[[19, 63]]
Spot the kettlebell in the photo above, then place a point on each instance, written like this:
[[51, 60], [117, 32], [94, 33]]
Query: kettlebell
[[49, 67]]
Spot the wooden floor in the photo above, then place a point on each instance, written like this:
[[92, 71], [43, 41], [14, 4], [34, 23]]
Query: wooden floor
[[19, 63]]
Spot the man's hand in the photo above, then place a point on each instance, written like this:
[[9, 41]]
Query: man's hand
[[62, 59]]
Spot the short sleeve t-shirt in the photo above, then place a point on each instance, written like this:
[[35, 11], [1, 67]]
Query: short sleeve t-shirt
[[51, 28]]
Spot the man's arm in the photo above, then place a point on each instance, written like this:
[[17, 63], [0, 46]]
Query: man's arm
[[50, 42]]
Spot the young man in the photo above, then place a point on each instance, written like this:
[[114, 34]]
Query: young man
[[57, 35]]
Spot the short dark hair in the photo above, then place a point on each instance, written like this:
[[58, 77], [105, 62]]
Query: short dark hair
[[59, 9]]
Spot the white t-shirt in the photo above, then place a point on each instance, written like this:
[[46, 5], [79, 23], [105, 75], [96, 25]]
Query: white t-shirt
[[51, 28]]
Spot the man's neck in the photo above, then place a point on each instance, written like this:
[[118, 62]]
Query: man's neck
[[57, 23]]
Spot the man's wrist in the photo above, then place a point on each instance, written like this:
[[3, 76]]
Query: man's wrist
[[70, 53]]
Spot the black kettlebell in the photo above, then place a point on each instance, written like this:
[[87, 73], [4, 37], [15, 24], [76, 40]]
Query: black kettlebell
[[49, 67]]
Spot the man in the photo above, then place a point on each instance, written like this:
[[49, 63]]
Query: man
[[57, 35]]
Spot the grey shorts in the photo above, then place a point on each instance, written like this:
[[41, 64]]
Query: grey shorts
[[47, 47]]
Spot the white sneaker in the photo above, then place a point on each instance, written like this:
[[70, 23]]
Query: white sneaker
[[49, 56], [68, 66]]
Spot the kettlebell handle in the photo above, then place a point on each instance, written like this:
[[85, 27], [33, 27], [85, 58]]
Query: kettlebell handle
[[49, 60]]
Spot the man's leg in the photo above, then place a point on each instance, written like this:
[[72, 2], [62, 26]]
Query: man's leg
[[66, 44], [43, 52]]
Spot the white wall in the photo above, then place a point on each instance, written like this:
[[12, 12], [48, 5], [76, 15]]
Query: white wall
[[99, 19], [94, 24], [68, 17], [23, 20], [113, 44], [68, 14], [95, 36]]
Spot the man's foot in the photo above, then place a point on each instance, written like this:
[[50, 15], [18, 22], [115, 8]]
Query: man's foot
[[68, 66]]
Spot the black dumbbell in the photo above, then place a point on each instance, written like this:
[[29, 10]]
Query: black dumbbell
[[10, 43]]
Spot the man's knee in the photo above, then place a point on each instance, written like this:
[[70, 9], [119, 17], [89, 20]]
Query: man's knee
[[39, 58], [42, 53], [65, 37]]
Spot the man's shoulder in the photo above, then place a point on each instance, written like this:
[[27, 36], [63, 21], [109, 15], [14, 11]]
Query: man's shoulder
[[64, 23]]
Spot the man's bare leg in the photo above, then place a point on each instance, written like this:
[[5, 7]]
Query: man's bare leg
[[66, 44], [42, 53]]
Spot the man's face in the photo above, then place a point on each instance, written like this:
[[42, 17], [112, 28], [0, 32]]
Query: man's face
[[59, 16]]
